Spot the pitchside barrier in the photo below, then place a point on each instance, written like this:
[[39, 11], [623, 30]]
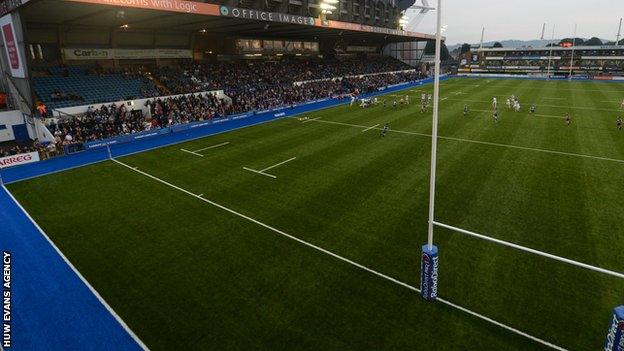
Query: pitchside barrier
[[129, 144]]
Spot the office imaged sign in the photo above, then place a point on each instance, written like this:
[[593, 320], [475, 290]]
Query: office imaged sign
[[249, 14]]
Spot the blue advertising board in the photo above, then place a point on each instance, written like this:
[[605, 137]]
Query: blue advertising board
[[429, 264]]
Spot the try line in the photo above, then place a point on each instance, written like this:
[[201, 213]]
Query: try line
[[341, 258], [196, 152]]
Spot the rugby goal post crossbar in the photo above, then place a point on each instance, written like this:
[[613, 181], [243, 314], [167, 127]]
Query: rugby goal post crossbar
[[530, 250]]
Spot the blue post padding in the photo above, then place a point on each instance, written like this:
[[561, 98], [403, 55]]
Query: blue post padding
[[615, 335], [429, 273]]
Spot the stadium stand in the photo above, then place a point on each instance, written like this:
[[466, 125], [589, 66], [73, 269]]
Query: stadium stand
[[250, 90], [80, 85], [195, 77], [590, 61]]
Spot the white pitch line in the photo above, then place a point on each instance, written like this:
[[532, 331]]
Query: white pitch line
[[78, 274], [490, 320], [192, 152], [344, 259], [557, 106], [551, 98], [260, 172], [310, 120], [532, 251], [200, 195], [488, 143], [212, 147], [560, 89], [512, 113], [369, 128], [279, 164], [549, 116]]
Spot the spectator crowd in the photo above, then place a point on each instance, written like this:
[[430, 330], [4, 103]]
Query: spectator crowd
[[248, 87]]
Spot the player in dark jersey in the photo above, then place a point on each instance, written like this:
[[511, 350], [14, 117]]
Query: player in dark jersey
[[466, 110], [619, 123], [568, 119], [495, 115], [532, 110], [384, 130]]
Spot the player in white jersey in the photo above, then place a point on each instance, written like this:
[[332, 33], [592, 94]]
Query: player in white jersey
[[622, 105], [518, 108], [352, 99], [494, 103], [366, 103], [423, 98], [509, 103], [407, 99]]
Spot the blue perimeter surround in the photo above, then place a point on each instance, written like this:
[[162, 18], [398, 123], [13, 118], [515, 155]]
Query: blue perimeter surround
[[52, 309]]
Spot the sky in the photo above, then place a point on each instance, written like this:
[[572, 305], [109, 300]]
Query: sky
[[523, 19]]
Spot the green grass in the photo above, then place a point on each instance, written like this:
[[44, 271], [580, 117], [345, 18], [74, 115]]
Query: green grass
[[187, 275]]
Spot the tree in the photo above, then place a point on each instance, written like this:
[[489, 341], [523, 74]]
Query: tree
[[464, 49], [497, 45], [430, 50], [593, 42], [576, 41]]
